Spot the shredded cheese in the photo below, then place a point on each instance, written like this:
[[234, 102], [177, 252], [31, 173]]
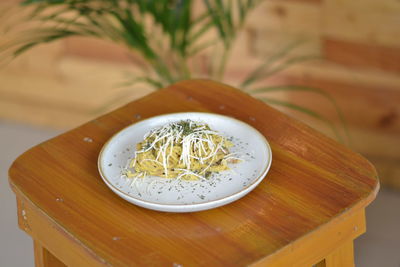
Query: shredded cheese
[[183, 150]]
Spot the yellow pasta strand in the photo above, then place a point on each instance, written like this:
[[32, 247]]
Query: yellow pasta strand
[[186, 150]]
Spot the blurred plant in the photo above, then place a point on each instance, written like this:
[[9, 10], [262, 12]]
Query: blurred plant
[[168, 35]]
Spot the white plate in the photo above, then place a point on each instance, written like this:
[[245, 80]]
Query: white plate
[[171, 195]]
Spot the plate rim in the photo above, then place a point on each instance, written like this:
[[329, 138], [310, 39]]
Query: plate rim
[[240, 193]]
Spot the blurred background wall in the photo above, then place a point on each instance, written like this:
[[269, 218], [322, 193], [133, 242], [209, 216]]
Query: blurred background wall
[[68, 82]]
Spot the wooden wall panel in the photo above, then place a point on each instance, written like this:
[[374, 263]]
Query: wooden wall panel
[[287, 16], [380, 28], [379, 102], [362, 55], [366, 6], [97, 49], [284, 22]]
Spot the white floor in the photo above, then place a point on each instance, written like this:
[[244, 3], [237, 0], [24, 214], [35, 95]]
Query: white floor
[[380, 246], [16, 249]]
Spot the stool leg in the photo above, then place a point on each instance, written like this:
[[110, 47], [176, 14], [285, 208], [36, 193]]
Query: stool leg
[[43, 258], [340, 257]]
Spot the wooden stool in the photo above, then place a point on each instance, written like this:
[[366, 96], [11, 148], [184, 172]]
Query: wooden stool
[[306, 212]]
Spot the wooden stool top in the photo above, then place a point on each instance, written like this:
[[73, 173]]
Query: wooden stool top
[[313, 180]]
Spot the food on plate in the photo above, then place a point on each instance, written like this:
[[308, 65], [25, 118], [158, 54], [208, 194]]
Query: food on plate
[[185, 149]]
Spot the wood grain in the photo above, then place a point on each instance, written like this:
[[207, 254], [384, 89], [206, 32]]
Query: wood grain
[[321, 245], [43, 258], [362, 55], [342, 256], [97, 49], [367, 22], [313, 182]]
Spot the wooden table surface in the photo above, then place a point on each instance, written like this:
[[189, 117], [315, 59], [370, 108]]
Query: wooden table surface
[[313, 182]]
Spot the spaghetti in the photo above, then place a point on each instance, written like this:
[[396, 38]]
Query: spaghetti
[[183, 150]]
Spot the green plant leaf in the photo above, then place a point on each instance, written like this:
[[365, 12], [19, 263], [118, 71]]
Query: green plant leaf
[[142, 79], [44, 39], [288, 63], [201, 47], [29, 2], [306, 111], [200, 32], [267, 62], [218, 20], [300, 88]]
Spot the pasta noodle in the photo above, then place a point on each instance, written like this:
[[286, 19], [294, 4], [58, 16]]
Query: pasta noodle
[[184, 150]]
